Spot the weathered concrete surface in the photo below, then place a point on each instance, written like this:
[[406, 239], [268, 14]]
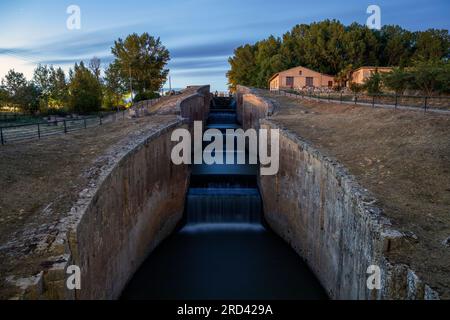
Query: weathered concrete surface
[[196, 106], [135, 202], [143, 108], [251, 108], [330, 220], [135, 208], [191, 103]]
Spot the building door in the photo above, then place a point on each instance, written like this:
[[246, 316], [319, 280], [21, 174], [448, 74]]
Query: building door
[[309, 81]]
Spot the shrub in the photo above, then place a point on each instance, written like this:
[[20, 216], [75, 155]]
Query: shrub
[[147, 95]]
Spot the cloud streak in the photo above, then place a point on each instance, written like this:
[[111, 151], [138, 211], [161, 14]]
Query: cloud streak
[[200, 73], [193, 59]]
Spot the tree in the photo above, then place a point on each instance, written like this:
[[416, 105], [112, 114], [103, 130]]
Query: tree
[[4, 97], [143, 59], [356, 87], [330, 47], [13, 82], [443, 78], [432, 45], [85, 90], [59, 91], [344, 76], [324, 46], [41, 79], [398, 80], [21, 94], [431, 76], [243, 67], [94, 66], [114, 86], [361, 46], [397, 46], [28, 98], [319, 46], [373, 84], [293, 46], [269, 60]]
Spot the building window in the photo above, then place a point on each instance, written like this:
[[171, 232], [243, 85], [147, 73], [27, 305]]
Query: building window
[[300, 72], [290, 81], [330, 84], [309, 81]]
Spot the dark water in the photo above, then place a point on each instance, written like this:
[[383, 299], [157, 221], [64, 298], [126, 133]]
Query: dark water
[[224, 250], [224, 262]]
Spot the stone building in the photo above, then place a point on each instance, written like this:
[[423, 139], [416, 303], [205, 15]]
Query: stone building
[[360, 75], [300, 78]]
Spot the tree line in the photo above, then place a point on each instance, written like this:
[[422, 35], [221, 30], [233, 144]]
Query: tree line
[[332, 48], [138, 68], [430, 77]]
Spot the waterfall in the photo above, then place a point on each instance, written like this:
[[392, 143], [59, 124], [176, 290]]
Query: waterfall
[[223, 194], [223, 205]]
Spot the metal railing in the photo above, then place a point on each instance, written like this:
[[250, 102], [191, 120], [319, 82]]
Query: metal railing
[[16, 117], [146, 103], [425, 103], [223, 94], [39, 130]]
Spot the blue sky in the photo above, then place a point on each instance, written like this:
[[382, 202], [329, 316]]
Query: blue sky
[[200, 34]]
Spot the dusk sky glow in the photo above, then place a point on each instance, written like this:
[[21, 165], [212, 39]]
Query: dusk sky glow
[[200, 34]]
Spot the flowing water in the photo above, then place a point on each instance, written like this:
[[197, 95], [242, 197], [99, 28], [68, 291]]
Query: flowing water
[[224, 250]]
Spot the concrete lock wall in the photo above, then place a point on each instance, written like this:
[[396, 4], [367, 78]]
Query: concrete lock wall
[[329, 219], [196, 106], [251, 108], [133, 205], [138, 204]]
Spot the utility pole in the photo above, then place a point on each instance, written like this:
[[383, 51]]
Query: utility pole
[[170, 85], [131, 84]]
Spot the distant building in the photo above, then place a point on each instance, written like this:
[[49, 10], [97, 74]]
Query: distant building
[[360, 75], [300, 78]]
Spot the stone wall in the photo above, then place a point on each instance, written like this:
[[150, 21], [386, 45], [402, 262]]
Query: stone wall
[[142, 108], [196, 106], [138, 204], [251, 108], [133, 204], [191, 103], [330, 220]]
